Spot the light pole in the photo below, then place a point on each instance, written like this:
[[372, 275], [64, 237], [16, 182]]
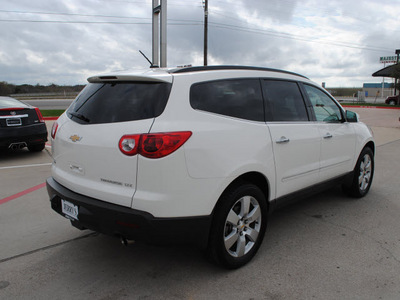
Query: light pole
[[205, 31], [159, 11], [395, 80]]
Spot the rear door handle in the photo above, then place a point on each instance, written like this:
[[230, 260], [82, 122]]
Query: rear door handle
[[328, 135], [283, 140]]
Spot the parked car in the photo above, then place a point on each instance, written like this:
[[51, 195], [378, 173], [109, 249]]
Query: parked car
[[21, 125], [201, 154], [392, 100]]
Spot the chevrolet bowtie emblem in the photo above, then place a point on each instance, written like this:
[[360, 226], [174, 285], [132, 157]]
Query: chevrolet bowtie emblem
[[75, 138]]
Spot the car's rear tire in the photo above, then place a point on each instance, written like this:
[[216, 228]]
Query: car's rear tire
[[36, 148], [238, 226], [362, 175], [392, 102]]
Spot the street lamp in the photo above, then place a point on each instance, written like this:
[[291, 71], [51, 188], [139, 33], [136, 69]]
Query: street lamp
[[395, 80]]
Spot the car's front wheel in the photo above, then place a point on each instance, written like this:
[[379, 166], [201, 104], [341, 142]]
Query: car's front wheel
[[239, 226], [363, 174], [392, 102]]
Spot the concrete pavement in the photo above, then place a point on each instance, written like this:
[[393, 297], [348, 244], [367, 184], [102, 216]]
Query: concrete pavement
[[325, 247]]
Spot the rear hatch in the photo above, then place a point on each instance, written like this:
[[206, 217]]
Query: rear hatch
[[87, 157], [18, 115]]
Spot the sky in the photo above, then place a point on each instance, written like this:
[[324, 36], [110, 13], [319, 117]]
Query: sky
[[63, 42]]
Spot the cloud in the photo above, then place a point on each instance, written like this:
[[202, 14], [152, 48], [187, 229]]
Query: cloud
[[64, 42]]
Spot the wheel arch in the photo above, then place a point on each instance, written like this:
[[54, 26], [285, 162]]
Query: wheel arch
[[347, 182], [215, 244], [367, 143], [255, 178], [370, 145]]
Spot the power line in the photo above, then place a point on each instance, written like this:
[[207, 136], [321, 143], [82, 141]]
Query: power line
[[66, 14], [76, 22], [180, 23], [84, 15], [177, 22], [293, 36], [296, 37]]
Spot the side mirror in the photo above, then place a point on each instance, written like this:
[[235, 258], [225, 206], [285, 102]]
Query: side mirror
[[351, 117]]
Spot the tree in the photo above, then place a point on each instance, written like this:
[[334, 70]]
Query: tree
[[6, 89]]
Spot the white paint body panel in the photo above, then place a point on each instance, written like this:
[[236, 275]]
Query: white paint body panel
[[297, 161], [338, 145], [94, 165]]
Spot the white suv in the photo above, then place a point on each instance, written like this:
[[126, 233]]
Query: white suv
[[201, 154]]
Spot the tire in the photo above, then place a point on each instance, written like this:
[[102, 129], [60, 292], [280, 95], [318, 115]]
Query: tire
[[363, 174], [392, 102], [36, 148], [238, 226]]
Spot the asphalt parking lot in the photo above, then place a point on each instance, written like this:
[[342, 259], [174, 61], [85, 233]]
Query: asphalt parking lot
[[325, 247]]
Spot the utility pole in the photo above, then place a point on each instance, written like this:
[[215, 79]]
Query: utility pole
[[395, 80], [159, 11], [156, 8], [163, 38], [205, 2]]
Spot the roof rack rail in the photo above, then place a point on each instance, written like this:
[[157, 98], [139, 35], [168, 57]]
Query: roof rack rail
[[228, 67]]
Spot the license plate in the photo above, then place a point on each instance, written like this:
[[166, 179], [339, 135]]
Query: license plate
[[69, 210], [14, 122]]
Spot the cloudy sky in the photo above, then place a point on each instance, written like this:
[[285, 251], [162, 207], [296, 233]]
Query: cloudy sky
[[65, 41]]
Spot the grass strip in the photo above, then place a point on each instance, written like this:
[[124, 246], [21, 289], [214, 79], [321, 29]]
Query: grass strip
[[51, 112]]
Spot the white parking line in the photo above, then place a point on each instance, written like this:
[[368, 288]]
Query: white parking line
[[25, 166]]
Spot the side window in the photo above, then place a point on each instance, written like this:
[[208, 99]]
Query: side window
[[285, 101], [324, 107], [240, 98]]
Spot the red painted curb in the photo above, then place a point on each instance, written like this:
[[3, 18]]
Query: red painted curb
[[360, 106], [20, 194]]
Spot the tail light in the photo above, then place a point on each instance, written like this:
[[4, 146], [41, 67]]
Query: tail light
[[39, 114], [154, 145], [158, 145], [54, 130], [129, 144]]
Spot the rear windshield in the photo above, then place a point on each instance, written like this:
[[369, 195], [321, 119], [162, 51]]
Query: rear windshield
[[7, 102], [119, 102]]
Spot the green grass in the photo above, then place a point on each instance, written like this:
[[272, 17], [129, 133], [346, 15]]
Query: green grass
[[51, 112]]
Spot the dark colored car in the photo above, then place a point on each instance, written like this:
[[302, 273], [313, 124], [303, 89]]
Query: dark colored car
[[21, 125], [392, 100]]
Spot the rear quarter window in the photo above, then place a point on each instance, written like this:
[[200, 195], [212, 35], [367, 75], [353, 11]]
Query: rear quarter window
[[285, 101], [240, 98], [119, 102]]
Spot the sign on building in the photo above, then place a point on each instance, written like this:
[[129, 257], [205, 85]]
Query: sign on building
[[388, 59]]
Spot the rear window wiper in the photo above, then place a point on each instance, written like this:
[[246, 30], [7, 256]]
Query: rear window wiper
[[79, 116]]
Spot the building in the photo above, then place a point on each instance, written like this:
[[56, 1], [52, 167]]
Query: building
[[379, 90]]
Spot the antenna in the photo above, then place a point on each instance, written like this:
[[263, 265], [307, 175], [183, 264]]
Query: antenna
[[151, 64]]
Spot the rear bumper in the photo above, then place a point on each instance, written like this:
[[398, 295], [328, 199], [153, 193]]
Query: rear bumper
[[116, 220], [30, 134]]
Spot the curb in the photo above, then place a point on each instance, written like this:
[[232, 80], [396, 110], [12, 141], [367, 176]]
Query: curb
[[360, 106]]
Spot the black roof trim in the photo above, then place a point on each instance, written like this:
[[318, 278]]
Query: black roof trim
[[217, 68]]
